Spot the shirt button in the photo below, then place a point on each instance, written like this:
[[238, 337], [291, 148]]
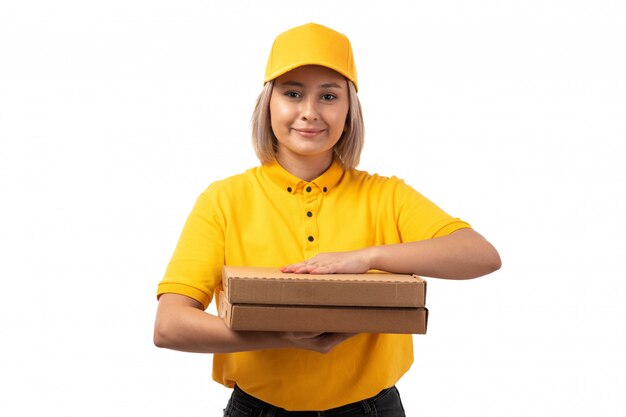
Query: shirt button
[[289, 189], [325, 189], [311, 239], [308, 213], [308, 189]]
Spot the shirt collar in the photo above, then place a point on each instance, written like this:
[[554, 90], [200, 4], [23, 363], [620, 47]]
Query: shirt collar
[[290, 183]]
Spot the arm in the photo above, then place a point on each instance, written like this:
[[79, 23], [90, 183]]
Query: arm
[[181, 324], [463, 254]]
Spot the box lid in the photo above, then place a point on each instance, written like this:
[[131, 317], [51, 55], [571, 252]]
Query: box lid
[[264, 285]]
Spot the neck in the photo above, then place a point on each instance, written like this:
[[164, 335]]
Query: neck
[[306, 168]]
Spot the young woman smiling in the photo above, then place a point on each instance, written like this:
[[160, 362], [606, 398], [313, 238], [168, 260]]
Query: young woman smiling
[[309, 106], [308, 210]]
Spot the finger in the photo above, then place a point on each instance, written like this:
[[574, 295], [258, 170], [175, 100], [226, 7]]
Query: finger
[[321, 270], [291, 268], [341, 336], [300, 268], [329, 340], [295, 269], [303, 335]]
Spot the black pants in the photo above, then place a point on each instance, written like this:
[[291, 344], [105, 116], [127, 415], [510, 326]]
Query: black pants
[[386, 403]]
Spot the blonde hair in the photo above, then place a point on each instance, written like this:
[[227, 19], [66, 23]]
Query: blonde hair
[[347, 149]]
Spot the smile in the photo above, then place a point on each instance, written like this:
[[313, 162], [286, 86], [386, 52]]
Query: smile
[[309, 133]]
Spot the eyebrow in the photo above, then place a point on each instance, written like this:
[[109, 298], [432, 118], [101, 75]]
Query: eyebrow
[[299, 84]]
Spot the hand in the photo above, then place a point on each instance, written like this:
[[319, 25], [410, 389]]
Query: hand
[[351, 262], [317, 342]]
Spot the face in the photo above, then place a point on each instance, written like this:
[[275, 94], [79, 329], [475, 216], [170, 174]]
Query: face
[[308, 109]]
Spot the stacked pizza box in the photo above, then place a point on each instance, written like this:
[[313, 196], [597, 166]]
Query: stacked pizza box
[[262, 298]]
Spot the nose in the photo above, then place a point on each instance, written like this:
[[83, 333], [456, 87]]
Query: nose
[[309, 108]]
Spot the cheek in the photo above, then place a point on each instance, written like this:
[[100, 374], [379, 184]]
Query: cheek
[[280, 114], [339, 120], [275, 115]]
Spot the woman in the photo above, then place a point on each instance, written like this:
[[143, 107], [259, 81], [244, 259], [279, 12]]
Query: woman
[[308, 210]]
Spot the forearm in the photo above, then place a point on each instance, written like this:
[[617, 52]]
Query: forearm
[[463, 254], [187, 328]]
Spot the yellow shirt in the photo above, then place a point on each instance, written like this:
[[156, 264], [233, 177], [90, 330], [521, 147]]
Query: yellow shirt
[[268, 217]]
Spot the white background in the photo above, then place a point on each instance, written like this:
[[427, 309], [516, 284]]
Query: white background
[[115, 115]]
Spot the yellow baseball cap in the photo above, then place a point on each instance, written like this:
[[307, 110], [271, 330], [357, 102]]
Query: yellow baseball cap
[[311, 44]]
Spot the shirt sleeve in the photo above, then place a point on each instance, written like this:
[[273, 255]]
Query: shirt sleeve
[[196, 265], [418, 218]]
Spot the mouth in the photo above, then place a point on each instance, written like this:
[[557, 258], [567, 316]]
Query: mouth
[[309, 133]]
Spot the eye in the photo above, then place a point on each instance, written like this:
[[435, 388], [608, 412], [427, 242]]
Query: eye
[[328, 97], [293, 94]]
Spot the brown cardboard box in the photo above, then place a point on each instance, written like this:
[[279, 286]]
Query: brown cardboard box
[[260, 285], [266, 299], [323, 319]]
